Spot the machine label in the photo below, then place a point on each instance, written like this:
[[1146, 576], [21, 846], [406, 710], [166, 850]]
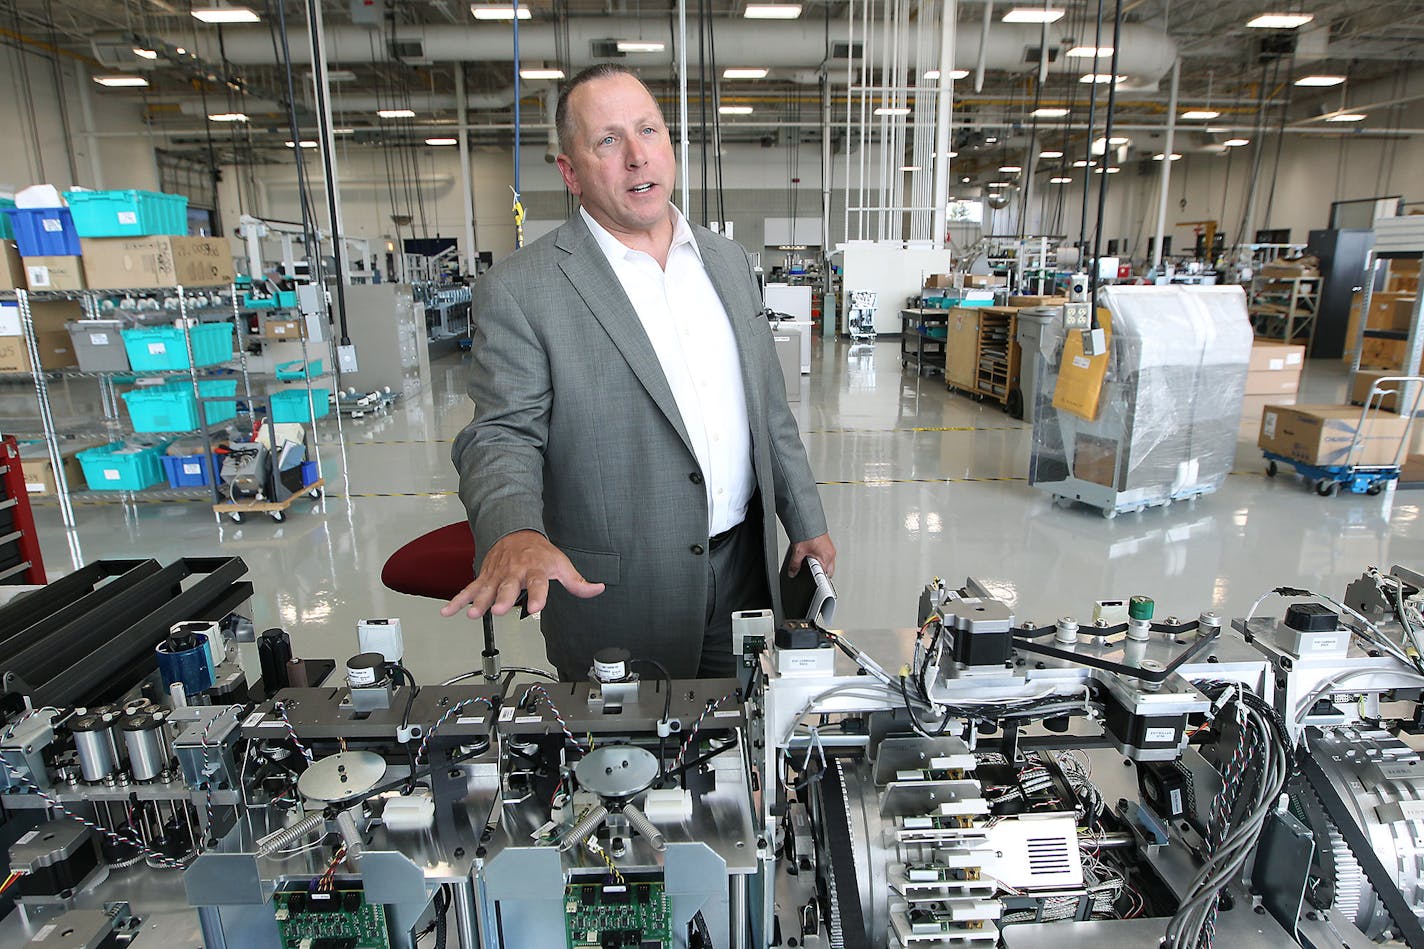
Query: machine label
[[253, 720], [1412, 810], [1325, 642], [506, 714], [26, 838], [1400, 772], [45, 930], [1155, 735], [528, 720]]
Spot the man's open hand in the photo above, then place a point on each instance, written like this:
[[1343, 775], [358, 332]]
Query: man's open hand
[[523, 560]]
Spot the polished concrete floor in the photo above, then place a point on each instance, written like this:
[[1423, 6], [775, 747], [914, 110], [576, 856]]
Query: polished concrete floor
[[917, 482]]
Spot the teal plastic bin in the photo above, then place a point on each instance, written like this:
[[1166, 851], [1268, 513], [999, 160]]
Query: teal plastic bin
[[120, 467], [152, 348], [172, 408], [127, 213], [7, 233], [291, 405], [297, 370]]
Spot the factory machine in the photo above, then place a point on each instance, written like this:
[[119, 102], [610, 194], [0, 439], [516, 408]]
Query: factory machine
[[175, 778]]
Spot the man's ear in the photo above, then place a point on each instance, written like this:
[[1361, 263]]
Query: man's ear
[[566, 169]]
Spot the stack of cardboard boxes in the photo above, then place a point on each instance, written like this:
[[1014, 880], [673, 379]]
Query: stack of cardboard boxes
[[1273, 378], [56, 349]]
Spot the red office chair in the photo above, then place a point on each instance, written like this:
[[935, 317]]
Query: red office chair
[[438, 564]]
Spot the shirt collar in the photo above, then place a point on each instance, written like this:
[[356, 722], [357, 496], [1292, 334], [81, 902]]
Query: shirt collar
[[616, 250]]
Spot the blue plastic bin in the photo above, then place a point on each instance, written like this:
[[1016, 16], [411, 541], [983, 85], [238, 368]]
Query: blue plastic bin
[[311, 473], [171, 407], [44, 232], [151, 348], [291, 406], [127, 213], [189, 471], [112, 468]]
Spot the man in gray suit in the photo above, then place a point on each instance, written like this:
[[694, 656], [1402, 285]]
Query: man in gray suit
[[631, 438]]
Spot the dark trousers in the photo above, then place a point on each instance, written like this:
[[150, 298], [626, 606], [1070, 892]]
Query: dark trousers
[[736, 566]]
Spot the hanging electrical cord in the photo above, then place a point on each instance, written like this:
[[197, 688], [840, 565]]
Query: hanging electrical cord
[[277, 30], [702, 14], [716, 121], [517, 210], [1107, 163], [1249, 196], [1280, 143], [1088, 148]]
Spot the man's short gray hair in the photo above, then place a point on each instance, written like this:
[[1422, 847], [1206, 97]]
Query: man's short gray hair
[[563, 122]]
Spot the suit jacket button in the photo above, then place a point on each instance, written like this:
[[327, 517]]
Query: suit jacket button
[[697, 549], [695, 477]]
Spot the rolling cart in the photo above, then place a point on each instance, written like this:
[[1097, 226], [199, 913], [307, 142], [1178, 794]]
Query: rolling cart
[[860, 321], [1327, 480]]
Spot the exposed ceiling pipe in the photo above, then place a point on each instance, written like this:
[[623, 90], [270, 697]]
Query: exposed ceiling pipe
[[1147, 54], [421, 103]]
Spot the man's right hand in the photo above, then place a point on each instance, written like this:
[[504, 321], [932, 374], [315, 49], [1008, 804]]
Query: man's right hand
[[523, 560]]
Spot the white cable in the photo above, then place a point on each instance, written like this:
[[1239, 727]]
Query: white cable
[[1303, 707]]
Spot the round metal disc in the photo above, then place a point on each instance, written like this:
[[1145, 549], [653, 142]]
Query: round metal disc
[[617, 770], [342, 776]]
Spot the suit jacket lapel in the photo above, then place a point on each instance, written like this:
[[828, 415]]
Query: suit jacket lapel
[[593, 280]]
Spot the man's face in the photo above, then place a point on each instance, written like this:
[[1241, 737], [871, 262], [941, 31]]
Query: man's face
[[620, 163]]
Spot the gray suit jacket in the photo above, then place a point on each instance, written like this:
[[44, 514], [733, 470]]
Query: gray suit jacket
[[576, 435]]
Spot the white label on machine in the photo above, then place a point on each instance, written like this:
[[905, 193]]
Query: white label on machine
[[38, 275], [44, 932], [26, 838], [1277, 364], [128, 217], [1155, 735], [1412, 810], [506, 714], [468, 720], [52, 224], [1082, 362], [529, 720], [253, 720], [98, 339], [1268, 425], [157, 349], [1399, 772], [1325, 642], [112, 474]]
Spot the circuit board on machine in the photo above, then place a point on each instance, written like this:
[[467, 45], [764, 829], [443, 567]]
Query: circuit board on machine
[[617, 915], [334, 919]]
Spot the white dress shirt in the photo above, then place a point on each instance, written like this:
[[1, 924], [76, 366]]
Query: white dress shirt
[[689, 329]]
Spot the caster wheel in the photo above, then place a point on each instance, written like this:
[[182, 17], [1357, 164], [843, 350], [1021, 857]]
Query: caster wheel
[[1374, 489], [314, 494], [279, 516], [1326, 488], [1139, 509], [237, 518], [1014, 404], [1109, 513], [1272, 470]]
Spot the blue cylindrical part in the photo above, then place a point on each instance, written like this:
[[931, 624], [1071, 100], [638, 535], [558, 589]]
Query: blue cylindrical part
[[191, 666]]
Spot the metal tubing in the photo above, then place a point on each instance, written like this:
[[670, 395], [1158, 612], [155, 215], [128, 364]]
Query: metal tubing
[[467, 204], [1167, 165], [462, 897]]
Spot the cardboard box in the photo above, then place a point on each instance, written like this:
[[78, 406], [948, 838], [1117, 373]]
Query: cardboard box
[[1390, 311], [1095, 460], [1037, 301], [1384, 354], [1302, 267], [1412, 471], [49, 316], [1323, 434], [12, 266], [54, 273], [980, 281], [1364, 381], [1274, 369], [136, 263], [939, 280], [1252, 407], [39, 473], [56, 352], [282, 329]]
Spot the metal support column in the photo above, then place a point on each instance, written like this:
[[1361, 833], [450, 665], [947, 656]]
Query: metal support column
[[1167, 165], [944, 114], [467, 203]]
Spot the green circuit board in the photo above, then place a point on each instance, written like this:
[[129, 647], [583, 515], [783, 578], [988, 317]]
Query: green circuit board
[[626, 916], [340, 919]]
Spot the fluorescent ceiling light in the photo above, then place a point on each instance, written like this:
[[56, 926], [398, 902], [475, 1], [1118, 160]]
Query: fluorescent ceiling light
[[949, 154], [226, 15], [1050, 154], [1347, 117], [1309, 80], [640, 46], [343, 131], [734, 110], [228, 117], [1100, 77], [964, 181], [1159, 156], [1236, 142], [1279, 21], [772, 11], [541, 74], [888, 110], [990, 140], [1049, 113], [1090, 52], [142, 53], [1202, 114], [306, 143], [1010, 169], [1111, 171], [953, 74], [497, 11], [121, 82], [340, 75], [442, 141], [1060, 181], [998, 184], [744, 73], [396, 113], [1080, 163], [909, 167], [1031, 15]]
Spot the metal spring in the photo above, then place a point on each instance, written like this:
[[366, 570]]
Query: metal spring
[[276, 840], [639, 822], [583, 828]]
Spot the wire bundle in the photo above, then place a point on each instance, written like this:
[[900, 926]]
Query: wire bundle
[[1255, 775], [11, 880]]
